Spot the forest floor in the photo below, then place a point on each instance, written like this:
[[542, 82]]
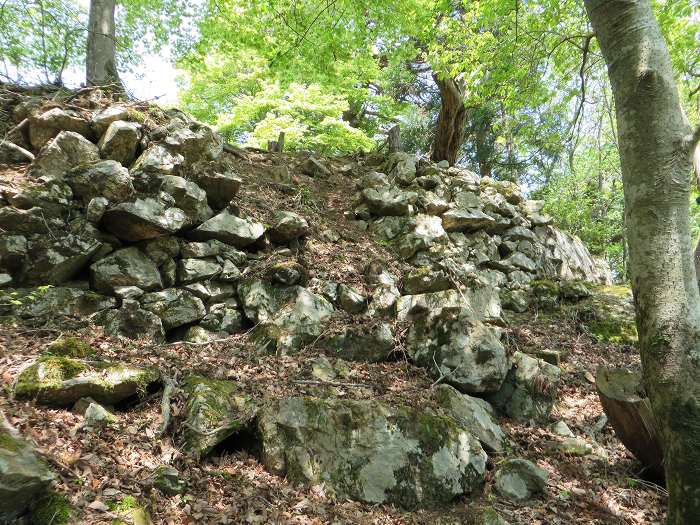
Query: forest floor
[[96, 469]]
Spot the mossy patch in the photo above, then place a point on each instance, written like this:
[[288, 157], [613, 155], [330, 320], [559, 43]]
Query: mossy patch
[[10, 443], [48, 371], [70, 347], [52, 509]]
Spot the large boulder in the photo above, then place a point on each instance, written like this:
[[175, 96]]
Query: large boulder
[[157, 160], [459, 220], [58, 301], [125, 267], [474, 414], [174, 307], [371, 452], [465, 352], [193, 140], [107, 179], [286, 316], [13, 251], [143, 219], [120, 142], [228, 228], [427, 231], [28, 222], [65, 152], [47, 125], [214, 410], [53, 197], [60, 259], [24, 477], [530, 389], [61, 381]]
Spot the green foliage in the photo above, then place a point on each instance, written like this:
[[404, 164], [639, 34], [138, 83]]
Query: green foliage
[[310, 118], [70, 347], [52, 509]]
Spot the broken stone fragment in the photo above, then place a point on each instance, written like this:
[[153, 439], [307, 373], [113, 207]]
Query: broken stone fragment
[[125, 267], [519, 480], [287, 226]]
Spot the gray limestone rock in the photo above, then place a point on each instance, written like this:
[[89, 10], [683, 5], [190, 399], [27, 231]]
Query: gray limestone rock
[[125, 267], [368, 451]]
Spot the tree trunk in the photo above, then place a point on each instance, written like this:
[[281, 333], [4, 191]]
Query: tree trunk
[[655, 152], [628, 409], [451, 121], [101, 58]]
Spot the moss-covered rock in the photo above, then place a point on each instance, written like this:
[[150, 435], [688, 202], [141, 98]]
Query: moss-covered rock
[[23, 476], [214, 411], [371, 452], [70, 347], [130, 512], [529, 390], [608, 314], [61, 381]]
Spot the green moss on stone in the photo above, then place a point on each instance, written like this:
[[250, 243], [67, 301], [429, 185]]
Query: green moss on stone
[[52, 509], [10, 443], [53, 369], [70, 347]]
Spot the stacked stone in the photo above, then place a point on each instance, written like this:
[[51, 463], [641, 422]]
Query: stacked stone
[[133, 223]]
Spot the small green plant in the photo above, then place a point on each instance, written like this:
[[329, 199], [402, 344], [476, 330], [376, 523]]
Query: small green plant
[[52, 509]]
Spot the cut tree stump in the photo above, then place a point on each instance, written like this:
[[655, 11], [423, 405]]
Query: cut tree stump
[[623, 398]]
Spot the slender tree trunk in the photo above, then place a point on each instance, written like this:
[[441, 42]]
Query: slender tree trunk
[[655, 144], [451, 121], [101, 59]]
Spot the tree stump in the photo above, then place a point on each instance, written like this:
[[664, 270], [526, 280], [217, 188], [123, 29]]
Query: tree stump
[[625, 403], [394, 139], [276, 146]]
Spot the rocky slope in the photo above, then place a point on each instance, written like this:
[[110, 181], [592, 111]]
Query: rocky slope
[[341, 321]]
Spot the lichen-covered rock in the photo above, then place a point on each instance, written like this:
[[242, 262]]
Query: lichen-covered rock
[[286, 316], [47, 125], [167, 480], [161, 249], [143, 219], [221, 187], [519, 479], [371, 344], [351, 300], [193, 270], [28, 222], [189, 197], [474, 414], [371, 452], [193, 140], [174, 307], [157, 160], [58, 301], [53, 197], [11, 153], [608, 314], [61, 381], [459, 220], [530, 389], [425, 233], [224, 317], [95, 209], [228, 228], [287, 226], [425, 280], [401, 168], [469, 354], [65, 152], [125, 267], [103, 118], [212, 291], [389, 201], [481, 301], [13, 251], [56, 260], [120, 142], [133, 322], [214, 410], [24, 477]]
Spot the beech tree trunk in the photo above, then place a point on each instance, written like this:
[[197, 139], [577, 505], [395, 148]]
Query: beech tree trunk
[[451, 121], [656, 144], [101, 57]]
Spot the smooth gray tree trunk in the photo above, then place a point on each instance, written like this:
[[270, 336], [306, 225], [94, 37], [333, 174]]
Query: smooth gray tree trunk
[[101, 59], [656, 145]]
